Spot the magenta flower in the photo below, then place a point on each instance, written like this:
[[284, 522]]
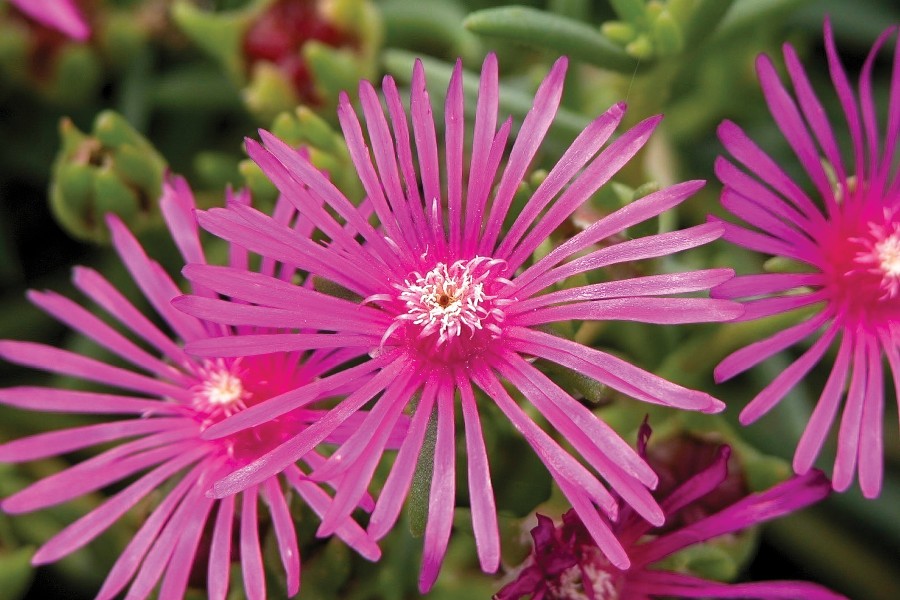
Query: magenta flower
[[166, 400], [848, 249], [445, 304], [566, 563], [62, 15]]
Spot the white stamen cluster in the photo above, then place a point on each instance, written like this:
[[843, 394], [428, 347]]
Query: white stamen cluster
[[221, 391], [882, 256], [573, 581], [451, 298]]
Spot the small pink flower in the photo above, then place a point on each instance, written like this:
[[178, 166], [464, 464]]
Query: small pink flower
[[567, 565], [62, 15], [849, 247], [166, 399], [448, 302]]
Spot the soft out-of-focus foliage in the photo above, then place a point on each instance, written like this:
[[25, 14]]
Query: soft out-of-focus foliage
[[176, 84]]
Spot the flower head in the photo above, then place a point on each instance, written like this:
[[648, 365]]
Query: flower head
[[448, 302], [848, 244], [567, 565], [166, 399], [62, 15]]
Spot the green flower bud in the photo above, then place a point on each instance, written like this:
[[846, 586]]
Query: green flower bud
[[114, 169]]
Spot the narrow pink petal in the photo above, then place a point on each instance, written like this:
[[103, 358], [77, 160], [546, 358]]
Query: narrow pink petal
[[251, 553], [651, 285], [293, 449], [608, 369], [285, 533], [396, 487], [776, 305], [55, 360], [650, 246], [585, 146], [681, 585], [130, 559], [751, 187], [597, 174], [815, 115], [175, 581], [787, 379], [379, 422], [762, 242], [266, 343], [219, 566], [404, 156], [537, 389], [782, 499], [753, 354], [892, 129], [78, 319], [847, 98], [851, 420], [88, 477], [177, 206], [787, 116], [557, 459], [308, 189], [349, 531], [62, 15], [71, 401], [761, 164], [270, 292], [385, 157], [760, 216], [528, 140], [636, 212], [57, 443], [160, 555], [284, 403], [101, 291], [481, 175], [645, 310], [871, 444], [481, 489], [454, 139], [152, 280], [596, 525], [823, 415], [426, 150], [359, 154], [867, 106], [745, 286], [442, 496], [85, 529], [363, 457]]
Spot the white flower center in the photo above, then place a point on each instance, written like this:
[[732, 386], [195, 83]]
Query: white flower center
[[888, 251], [881, 255], [451, 299], [221, 391], [573, 581]]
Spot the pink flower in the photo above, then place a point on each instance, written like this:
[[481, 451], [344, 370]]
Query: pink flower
[[847, 245], [444, 304], [567, 565], [166, 400], [62, 15]]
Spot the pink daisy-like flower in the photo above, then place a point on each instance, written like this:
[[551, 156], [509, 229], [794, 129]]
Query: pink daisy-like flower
[[848, 245], [445, 304], [168, 398], [567, 565], [62, 15]]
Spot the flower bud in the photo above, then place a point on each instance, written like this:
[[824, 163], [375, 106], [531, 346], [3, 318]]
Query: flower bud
[[114, 169]]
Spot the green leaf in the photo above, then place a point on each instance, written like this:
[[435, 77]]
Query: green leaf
[[417, 501], [16, 572], [552, 32]]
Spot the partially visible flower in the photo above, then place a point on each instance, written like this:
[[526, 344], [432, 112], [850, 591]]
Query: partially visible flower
[[166, 399], [847, 250], [566, 563], [62, 15], [445, 302]]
